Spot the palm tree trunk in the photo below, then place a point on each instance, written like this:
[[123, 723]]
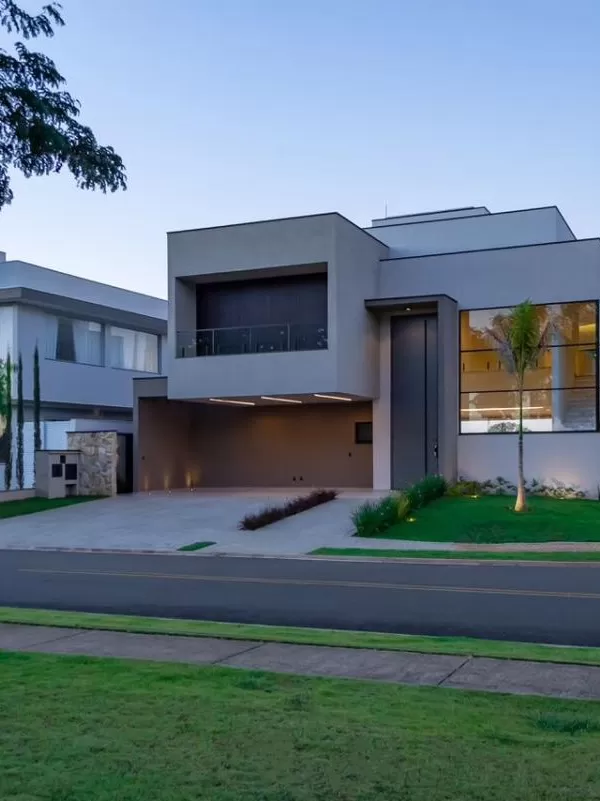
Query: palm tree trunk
[[521, 502]]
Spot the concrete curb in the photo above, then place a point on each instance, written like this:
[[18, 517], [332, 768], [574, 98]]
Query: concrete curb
[[207, 552]]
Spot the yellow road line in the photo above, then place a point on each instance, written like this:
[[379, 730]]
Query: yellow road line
[[371, 585]]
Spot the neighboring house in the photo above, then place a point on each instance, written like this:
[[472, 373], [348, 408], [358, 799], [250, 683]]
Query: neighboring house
[[92, 339], [310, 352]]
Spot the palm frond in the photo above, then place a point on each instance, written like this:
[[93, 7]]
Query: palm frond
[[520, 337]]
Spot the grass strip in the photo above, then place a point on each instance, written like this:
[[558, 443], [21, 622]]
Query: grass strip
[[525, 556], [467, 646], [195, 546], [29, 506]]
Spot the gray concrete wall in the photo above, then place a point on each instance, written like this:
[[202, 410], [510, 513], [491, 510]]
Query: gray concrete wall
[[557, 273], [237, 251], [530, 226], [16, 273], [349, 365], [208, 446], [429, 216], [571, 458], [353, 276]]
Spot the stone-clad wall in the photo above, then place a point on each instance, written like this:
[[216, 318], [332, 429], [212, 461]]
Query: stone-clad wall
[[98, 461]]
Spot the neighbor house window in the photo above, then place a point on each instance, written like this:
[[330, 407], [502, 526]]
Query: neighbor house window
[[69, 340], [560, 391], [132, 350]]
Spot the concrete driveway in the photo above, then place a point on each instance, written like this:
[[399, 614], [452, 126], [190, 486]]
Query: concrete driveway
[[166, 521], [156, 521]]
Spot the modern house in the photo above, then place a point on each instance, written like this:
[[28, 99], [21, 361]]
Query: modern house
[[92, 340], [311, 352]]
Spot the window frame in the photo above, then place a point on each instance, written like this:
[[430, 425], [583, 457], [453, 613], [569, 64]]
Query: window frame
[[107, 348], [358, 440], [74, 319], [595, 344]]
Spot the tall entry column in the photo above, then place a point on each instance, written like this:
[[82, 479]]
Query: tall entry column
[[414, 401]]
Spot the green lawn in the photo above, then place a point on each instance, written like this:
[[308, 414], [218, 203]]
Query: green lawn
[[31, 505], [526, 556], [77, 728], [466, 646], [490, 518]]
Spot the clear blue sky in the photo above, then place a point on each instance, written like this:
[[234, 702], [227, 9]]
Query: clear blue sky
[[233, 110]]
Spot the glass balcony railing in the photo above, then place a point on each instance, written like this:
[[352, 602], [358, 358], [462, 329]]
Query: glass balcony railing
[[251, 339]]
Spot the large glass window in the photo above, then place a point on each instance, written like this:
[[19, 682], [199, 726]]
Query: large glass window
[[69, 340], [132, 350], [560, 391]]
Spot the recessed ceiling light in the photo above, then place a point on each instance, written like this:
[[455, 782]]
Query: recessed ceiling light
[[407, 308], [279, 400], [332, 397], [234, 402]]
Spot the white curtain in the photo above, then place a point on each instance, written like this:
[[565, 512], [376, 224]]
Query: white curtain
[[133, 350], [51, 336], [87, 337]]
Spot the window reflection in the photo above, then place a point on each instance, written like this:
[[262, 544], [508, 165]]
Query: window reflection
[[560, 392]]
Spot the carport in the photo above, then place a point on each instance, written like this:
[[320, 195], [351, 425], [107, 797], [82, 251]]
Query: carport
[[241, 443]]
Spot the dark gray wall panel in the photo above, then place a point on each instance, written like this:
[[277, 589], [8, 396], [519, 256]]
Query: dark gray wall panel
[[277, 300]]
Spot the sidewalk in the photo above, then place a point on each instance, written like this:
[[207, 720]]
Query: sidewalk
[[466, 673]]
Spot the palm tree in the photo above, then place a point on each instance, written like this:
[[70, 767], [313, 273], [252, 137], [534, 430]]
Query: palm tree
[[520, 337]]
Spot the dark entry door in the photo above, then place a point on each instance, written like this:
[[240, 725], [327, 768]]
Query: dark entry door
[[125, 463], [414, 401]]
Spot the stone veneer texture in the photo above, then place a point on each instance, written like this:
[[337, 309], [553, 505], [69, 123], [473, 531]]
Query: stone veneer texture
[[97, 462]]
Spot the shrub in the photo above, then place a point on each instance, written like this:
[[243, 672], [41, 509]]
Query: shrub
[[465, 487], [271, 514], [373, 518], [500, 486], [555, 489], [425, 491]]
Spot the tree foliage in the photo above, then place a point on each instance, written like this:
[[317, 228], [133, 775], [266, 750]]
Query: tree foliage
[[39, 128], [520, 337]]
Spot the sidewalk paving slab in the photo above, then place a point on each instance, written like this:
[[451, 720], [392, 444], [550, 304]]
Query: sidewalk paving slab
[[154, 647], [404, 667], [355, 663], [527, 678], [17, 637]]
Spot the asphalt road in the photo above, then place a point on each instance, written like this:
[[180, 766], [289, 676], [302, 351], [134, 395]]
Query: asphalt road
[[542, 603]]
